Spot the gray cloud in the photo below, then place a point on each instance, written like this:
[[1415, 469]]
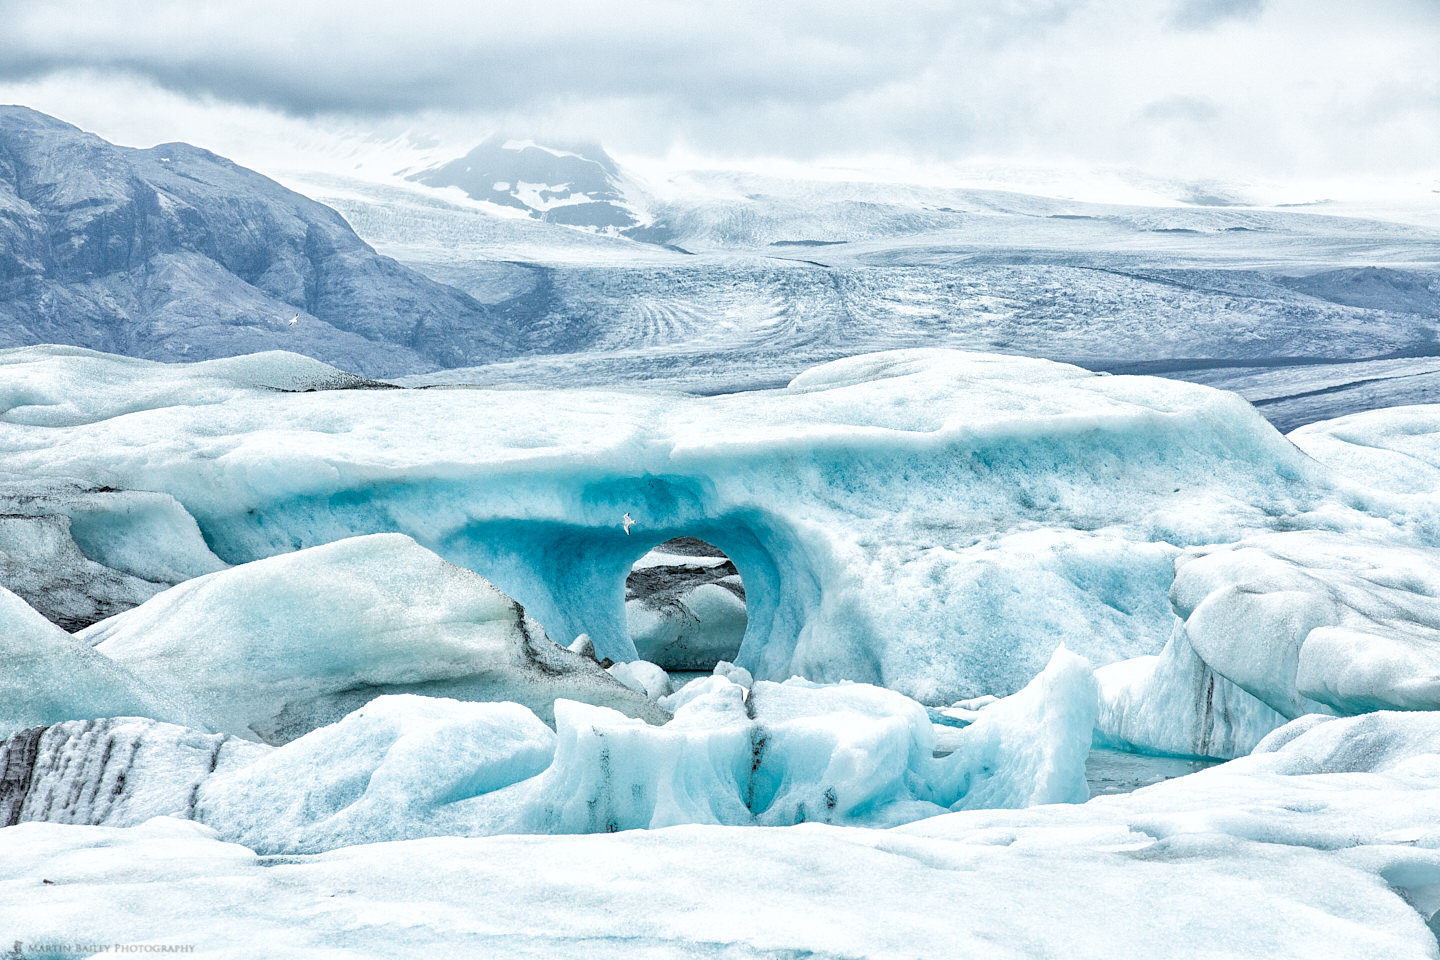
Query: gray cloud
[[1259, 85], [377, 58], [1203, 14]]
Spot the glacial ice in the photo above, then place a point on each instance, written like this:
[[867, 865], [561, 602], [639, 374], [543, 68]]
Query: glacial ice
[[1397, 448], [1029, 748], [643, 677], [1277, 626], [274, 648], [117, 772], [932, 521], [79, 554], [47, 676], [399, 767], [406, 766], [685, 606], [1174, 703], [1307, 852], [1381, 742]]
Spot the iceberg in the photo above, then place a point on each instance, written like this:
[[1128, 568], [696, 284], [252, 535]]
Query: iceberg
[[780, 754], [643, 677], [1313, 621], [1175, 704], [1275, 627], [685, 606], [275, 648], [1029, 748], [1278, 626], [406, 766]]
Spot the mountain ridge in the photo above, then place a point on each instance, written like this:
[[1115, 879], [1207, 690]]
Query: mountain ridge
[[176, 253]]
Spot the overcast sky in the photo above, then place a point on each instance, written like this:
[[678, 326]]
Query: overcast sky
[[1228, 88]]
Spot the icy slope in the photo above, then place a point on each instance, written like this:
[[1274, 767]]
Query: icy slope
[[1396, 449], [58, 386], [1300, 854], [49, 676], [929, 520], [277, 647]]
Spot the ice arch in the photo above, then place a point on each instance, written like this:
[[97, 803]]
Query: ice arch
[[569, 571], [575, 575], [567, 565]]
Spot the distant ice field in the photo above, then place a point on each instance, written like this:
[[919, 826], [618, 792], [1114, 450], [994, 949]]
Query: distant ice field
[[1307, 314]]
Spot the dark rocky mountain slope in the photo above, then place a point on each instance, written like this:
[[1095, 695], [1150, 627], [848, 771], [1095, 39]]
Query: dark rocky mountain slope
[[175, 253]]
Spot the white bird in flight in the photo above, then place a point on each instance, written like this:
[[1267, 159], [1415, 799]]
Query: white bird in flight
[[627, 523], [295, 319]]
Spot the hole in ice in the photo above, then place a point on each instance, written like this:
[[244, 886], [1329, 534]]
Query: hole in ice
[[685, 606]]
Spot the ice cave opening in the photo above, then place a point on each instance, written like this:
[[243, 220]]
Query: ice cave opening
[[685, 606]]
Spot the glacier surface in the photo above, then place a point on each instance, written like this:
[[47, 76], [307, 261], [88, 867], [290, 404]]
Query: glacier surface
[[929, 520]]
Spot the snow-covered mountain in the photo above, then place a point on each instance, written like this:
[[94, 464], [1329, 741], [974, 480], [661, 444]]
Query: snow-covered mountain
[[576, 185]]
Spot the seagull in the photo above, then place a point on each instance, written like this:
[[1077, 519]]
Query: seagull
[[627, 523], [295, 319]]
